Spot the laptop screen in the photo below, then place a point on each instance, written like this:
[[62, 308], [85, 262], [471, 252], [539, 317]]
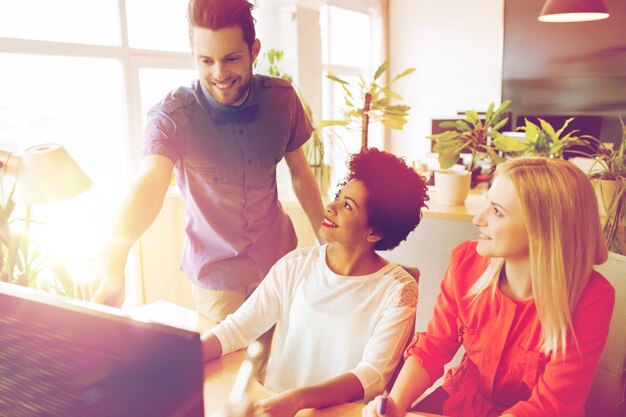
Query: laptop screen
[[64, 359]]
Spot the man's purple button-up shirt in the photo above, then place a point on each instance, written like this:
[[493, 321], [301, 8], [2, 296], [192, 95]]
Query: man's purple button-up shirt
[[225, 162]]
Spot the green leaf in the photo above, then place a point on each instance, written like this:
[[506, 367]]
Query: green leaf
[[510, 145], [362, 83], [560, 131], [500, 109], [494, 156], [325, 123], [532, 132], [403, 74], [500, 124], [472, 116], [392, 94], [489, 112], [382, 68], [444, 136], [379, 104], [448, 124], [463, 125], [447, 159], [394, 122], [336, 79], [548, 129]]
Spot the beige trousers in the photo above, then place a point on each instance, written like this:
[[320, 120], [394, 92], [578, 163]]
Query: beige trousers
[[214, 305]]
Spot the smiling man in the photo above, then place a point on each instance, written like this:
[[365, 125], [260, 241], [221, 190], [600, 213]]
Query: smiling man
[[223, 137]]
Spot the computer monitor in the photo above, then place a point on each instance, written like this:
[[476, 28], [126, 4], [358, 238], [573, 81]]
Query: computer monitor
[[60, 358]]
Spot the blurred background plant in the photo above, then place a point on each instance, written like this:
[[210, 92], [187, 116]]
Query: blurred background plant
[[540, 140], [608, 173], [369, 101], [324, 135], [22, 260], [473, 134]]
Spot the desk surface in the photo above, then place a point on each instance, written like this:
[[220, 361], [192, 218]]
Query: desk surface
[[475, 201], [219, 376]]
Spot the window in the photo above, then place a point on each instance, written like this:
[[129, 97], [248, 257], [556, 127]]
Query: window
[[349, 54], [83, 73], [94, 22]]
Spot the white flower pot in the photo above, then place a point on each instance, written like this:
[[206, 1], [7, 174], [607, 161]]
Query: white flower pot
[[452, 187]]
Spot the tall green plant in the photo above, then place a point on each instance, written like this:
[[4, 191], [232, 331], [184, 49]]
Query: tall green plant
[[472, 134], [368, 101], [323, 133]]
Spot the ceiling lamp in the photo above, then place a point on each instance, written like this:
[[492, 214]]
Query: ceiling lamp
[[573, 11]]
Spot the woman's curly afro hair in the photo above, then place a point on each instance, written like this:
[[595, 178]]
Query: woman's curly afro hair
[[395, 197]]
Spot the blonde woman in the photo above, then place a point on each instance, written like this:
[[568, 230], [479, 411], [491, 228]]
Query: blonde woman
[[523, 300]]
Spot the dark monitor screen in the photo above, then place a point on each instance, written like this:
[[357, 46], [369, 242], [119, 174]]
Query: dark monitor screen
[[64, 359]]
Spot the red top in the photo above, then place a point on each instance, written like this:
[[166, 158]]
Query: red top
[[504, 369]]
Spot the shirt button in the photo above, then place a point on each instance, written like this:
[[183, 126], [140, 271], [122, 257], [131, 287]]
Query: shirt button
[[216, 179], [249, 161], [241, 131]]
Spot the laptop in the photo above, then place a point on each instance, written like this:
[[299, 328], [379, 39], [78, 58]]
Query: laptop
[[64, 359]]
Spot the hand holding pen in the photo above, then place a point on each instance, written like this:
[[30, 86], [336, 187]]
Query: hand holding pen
[[382, 409], [380, 406]]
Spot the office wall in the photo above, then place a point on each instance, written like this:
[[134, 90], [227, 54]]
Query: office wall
[[568, 69], [456, 46]]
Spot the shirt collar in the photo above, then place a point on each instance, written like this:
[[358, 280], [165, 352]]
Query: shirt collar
[[214, 107]]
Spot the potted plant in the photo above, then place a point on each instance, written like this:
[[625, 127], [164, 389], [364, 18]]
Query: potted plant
[[370, 101], [608, 173], [22, 261], [540, 140], [323, 133], [474, 135]]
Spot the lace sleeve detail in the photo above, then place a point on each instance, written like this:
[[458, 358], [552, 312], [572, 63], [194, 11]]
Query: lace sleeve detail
[[409, 292]]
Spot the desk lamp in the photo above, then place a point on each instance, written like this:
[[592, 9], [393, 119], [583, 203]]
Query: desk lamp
[[44, 173]]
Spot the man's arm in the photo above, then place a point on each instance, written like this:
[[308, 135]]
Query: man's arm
[[306, 189], [341, 389], [140, 208]]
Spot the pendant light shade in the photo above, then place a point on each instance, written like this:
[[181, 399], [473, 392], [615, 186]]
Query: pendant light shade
[[573, 11]]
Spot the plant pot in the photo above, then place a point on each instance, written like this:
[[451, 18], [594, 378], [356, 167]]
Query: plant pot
[[605, 193], [452, 187]]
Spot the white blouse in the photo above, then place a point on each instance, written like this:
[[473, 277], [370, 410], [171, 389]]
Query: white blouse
[[327, 324]]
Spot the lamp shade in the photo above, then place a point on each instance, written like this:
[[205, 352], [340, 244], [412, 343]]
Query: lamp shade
[[47, 174], [573, 11]]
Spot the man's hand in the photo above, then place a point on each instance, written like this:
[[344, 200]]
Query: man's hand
[[285, 404], [107, 287]]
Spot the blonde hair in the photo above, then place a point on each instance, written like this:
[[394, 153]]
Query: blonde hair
[[565, 240]]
